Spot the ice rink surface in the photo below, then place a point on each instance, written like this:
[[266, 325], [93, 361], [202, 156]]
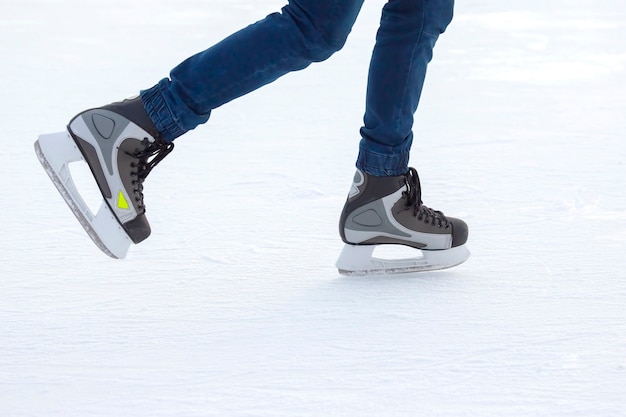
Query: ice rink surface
[[234, 308]]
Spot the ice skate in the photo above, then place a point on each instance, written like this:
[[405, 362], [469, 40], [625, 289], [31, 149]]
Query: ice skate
[[389, 211], [120, 145]]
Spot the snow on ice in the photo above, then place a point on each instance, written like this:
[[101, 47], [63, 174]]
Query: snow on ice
[[234, 308]]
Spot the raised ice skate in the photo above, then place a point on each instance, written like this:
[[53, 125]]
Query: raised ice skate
[[121, 146]]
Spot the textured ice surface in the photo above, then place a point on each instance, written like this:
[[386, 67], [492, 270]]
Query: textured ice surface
[[234, 308]]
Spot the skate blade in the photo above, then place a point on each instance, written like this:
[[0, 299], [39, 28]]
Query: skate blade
[[358, 260], [55, 152]]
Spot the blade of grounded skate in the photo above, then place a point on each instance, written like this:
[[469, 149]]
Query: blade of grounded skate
[[55, 152], [358, 260]]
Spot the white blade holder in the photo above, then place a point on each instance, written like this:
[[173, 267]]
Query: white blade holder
[[55, 152]]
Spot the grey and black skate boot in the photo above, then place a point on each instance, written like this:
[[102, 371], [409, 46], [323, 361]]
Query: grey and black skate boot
[[389, 210], [121, 145]]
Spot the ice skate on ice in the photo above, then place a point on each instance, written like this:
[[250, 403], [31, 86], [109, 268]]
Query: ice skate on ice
[[389, 211], [120, 145]]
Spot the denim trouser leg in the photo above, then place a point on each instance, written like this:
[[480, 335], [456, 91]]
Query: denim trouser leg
[[404, 43], [306, 31], [309, 31]]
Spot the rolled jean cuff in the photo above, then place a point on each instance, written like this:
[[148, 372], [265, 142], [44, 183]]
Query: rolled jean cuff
[[379, 165], [160, 114]]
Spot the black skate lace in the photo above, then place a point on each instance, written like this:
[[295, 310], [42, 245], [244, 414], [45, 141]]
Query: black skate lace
[[147, 158], [413, 196]]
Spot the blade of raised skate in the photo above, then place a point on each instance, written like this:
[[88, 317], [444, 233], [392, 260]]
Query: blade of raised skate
[[55, 152]]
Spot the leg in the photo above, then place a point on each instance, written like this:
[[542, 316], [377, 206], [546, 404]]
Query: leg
[[404, 43], [384, 205], [305, 31], [122, 142]]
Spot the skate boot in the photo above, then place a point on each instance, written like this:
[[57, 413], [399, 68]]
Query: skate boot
[[121, 145], [389, 210]]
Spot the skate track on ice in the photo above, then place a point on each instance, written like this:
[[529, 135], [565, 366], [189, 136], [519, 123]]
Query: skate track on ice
[[234, 308]]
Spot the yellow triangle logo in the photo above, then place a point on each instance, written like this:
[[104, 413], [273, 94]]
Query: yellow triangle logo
[[121, 201]]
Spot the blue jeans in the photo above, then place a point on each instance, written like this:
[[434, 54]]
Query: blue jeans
[[309, 31]]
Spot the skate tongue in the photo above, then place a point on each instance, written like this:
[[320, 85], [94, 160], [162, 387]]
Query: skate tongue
[[413, 193], [158, 150]]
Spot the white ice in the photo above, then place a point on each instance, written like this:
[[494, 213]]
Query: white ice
[[234, 308]]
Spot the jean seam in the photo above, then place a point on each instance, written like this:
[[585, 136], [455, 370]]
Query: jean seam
[[413, 52]]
